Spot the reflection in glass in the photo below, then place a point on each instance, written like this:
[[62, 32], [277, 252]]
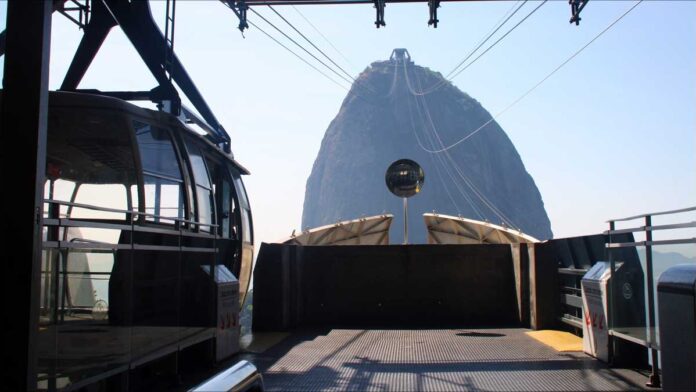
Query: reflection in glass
[[163, 198], [404, 178], [156, 151], [204, 191], [89, 161], [164, 193]]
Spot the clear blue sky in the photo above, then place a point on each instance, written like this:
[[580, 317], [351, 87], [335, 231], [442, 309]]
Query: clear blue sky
[[612, 134]]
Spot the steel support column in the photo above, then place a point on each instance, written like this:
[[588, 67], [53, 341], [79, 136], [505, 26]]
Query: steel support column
[[23, 131]]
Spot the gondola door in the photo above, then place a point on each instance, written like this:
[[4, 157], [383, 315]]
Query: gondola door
[[229, 245]]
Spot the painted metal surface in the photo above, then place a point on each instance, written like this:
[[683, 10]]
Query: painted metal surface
[[446, 229], [373, 230], [432, 360]]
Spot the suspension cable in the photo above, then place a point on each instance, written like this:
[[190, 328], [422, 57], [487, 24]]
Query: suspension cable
[[516, 101], [311, 43], [322, 35], [298, 56], [500, 39], [458, 170], [442, 162], [456, 70], [300, 46]]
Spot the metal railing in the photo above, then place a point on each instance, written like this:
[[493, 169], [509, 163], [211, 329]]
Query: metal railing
[[243, 376], [134, 221], [647, 228], [56, 272]]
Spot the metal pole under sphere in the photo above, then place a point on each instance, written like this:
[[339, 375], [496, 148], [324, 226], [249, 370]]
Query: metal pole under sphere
[[405, 220]]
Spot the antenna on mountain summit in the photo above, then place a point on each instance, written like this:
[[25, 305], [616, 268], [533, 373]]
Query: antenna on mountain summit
[[400, 56]]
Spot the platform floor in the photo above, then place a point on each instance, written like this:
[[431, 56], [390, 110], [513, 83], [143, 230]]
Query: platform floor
[[436, 360]]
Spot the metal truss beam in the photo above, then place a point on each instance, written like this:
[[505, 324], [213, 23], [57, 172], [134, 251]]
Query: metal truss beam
[[136, 21], [241, 6]]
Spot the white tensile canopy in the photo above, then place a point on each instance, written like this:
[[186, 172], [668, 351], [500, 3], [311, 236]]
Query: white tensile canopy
[[445, 229], [372, 230]]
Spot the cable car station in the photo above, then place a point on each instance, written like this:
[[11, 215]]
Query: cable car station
[[129, 253]]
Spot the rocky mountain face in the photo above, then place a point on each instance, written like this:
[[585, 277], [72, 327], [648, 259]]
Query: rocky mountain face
[[397, 110]]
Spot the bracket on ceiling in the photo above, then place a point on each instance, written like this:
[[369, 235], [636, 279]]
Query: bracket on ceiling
[[379, 6], [576, 7], [433, 5]]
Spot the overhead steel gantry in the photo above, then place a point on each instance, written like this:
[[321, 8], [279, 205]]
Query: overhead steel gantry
[[23, 126], [98, 17], [240, 7]]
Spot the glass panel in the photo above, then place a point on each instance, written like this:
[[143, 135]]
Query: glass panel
[[93, 150], [155, 312], [241, 192], [61, 190], [246, 226], [205, 207], [156, 151], [90, 161], [46, 337], [112, 196], [629, 298], [225, 204], [57, 189], [198, 303], [90, 339], [200, 173], [163, 198], [223, 191]]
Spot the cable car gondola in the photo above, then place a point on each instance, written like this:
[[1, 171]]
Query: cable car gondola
[[141, 212]]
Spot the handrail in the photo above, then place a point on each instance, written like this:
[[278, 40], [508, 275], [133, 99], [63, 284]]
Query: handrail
[[243, 376], [648, 228], [653, 228], [88, 206], [652, 214], [134, 213], [681, 241]]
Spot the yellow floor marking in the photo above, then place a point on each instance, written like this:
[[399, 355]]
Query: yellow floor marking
[[558, 340], [261, 341]]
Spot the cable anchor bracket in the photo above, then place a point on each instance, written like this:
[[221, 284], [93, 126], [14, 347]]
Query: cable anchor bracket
[[379, 6], [433, 5], [576, 7], [240, 9]]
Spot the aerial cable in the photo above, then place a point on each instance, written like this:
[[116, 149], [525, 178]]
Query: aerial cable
[[501, 22], [311, 43], [322, 35], [444, 164], [467, 181], [295, 54], [393, 85], [350, 90], [442, 161], [300, 46], [499, 39], [456, 167], [494, 30], [317, 48], [500, 25], [515, 102], [432, 158], [299, 57]]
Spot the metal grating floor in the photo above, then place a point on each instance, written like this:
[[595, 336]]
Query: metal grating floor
[[438, 360]]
